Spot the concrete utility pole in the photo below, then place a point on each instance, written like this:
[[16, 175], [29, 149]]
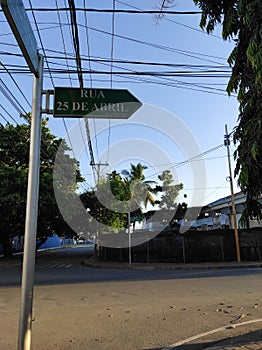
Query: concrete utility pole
[[98, 235], [227, 143]]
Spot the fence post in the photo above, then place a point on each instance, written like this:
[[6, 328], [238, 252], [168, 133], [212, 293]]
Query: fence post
[[222, 248], [147, 251], [258, 247], [120, 254], [183, 249]]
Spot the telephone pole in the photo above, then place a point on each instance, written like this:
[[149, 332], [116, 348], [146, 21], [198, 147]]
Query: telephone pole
[[98, 235], [227, 143]]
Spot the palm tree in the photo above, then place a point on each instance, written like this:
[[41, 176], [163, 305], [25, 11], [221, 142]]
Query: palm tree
[[139, 187]]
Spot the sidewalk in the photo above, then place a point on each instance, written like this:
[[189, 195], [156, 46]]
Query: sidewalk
[[244, 342]]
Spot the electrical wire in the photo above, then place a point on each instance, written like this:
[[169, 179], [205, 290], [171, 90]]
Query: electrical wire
[[88, 44], [76, 45], [70, 79], [187, 161], [170, 20], [111, 76], [141, 63], [41, 42], [187, 53], [47, 63], [11, 98], [91, 79], [81, 9], [134, 78], [163, 47], [76, 42], [8, 115], [177, 83], [14, 81]]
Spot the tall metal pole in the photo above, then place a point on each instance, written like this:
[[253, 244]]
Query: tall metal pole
[[25, 321], [227, 143], [129, 239]]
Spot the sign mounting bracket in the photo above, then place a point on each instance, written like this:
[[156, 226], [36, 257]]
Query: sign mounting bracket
[[47, 109]]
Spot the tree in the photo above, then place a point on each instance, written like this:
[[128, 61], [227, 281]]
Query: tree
[[130, 188], [14, 158], [168, 199], [140, 187], [242, 21], [171, 191], [107, 214]]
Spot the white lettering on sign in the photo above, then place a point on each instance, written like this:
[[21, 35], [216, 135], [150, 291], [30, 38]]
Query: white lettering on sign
[[80, 106], [76, 106], [109, 107], [62, 106], [93, 94]]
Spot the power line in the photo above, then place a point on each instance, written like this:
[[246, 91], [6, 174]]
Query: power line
[[92, 161], [177, 165], [81, 9], [9, 116], [88, 44], [11, 98], [49, 71], [171, 82], [188, 53], [63, 41], [76, 43], [111, 76], [140, 63], [79, 69], [158, 46], [65, 54], [18, 87], [41, 42], [170, 20], [163, 47]]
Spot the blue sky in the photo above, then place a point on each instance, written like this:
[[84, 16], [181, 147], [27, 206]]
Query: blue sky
[[174, 39]]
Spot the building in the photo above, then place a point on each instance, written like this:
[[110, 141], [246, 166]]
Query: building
[[218, 214], [215, 215]]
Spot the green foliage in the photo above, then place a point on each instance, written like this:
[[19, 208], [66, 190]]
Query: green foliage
[[171, 191], [131, 189], [242, 20], [14, 158]]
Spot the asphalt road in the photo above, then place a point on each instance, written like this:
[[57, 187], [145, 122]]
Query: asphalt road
[[83, 308]]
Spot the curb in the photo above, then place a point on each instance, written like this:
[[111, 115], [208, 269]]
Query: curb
[[155, 267]]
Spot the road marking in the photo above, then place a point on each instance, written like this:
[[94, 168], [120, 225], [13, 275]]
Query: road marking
[[55, 266], [220, 329]]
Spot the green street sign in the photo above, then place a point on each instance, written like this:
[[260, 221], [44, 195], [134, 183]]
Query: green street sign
[[135, 219], [94, 103]]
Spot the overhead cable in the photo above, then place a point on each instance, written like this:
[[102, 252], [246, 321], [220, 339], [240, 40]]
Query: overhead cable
[[82, 9]]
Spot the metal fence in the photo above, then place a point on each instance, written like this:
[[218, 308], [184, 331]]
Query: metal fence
[[191, 247]]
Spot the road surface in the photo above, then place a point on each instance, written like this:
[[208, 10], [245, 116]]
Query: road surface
[[83, 308]]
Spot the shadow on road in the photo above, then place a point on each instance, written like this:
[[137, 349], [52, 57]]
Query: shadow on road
[[242, 341]]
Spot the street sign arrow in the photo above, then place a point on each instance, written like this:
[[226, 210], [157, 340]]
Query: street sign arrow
[[94, 103]]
